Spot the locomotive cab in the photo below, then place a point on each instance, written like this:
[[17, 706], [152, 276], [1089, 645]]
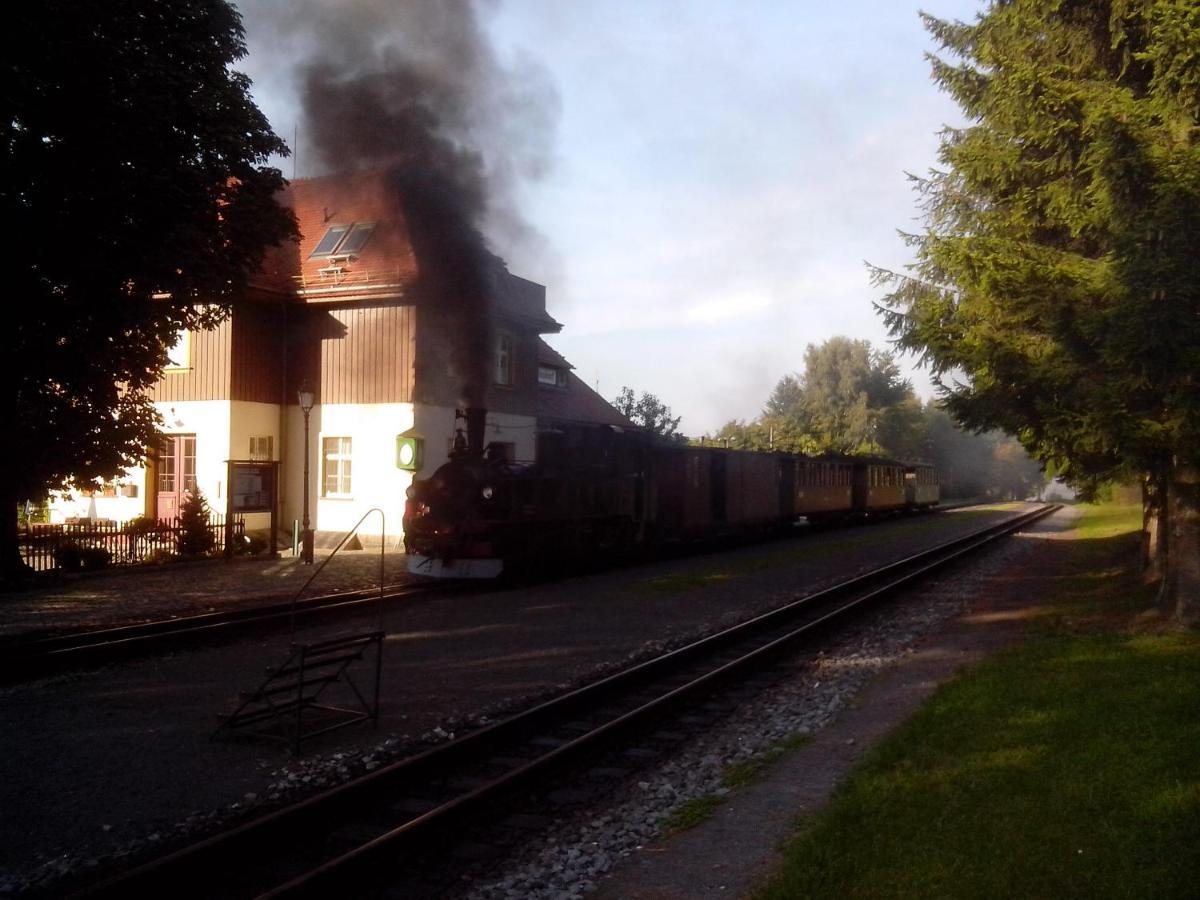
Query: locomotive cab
[[449, 518]]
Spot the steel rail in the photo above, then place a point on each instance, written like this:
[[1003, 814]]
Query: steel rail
[[24, 660], [334, 876], [185, 871]]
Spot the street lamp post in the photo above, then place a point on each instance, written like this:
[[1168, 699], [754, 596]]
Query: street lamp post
[[306, 535]]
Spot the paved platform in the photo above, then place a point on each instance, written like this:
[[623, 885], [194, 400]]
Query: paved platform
[[145, 593]]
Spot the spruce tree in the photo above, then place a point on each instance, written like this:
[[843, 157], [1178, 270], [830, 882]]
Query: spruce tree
[[195, 536], [1054, 291]]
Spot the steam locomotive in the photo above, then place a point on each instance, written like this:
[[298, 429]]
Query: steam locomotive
[[599, 491]]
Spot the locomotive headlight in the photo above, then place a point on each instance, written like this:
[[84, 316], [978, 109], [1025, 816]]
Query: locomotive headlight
[[411, 492], [487, 492]]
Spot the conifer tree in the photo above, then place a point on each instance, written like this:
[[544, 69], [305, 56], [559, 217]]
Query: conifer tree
[[1054, 291], [195, 537]]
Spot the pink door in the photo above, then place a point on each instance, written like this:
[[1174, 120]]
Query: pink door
[[176, 472]]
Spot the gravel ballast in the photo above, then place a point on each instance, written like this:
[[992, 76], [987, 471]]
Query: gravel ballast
[[571, 860]]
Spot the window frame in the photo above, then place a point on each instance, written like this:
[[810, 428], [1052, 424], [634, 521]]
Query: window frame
[[343, 456], [338, 247], [557, 376], [179, 354], [257, 455], [503, 358]]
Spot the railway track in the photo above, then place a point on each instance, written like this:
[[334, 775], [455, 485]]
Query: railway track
[[397, 823], [26, 659], [21, 660]]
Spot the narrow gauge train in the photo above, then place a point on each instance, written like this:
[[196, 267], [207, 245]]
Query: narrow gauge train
[[597, 491]]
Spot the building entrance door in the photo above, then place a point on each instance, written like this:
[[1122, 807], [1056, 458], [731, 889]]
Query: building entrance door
[[176, 472]]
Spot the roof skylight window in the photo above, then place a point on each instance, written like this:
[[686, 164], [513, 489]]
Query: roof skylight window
[[344, 240], [332, 238], [359, 234]]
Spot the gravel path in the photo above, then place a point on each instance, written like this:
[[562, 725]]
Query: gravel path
[[107, 763]]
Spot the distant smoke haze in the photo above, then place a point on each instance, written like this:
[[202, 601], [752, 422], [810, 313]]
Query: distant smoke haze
[[416, 89]]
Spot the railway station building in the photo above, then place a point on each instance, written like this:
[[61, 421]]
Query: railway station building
[[343, 318]]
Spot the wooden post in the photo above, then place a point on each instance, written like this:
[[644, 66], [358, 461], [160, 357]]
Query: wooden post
[[275, 509], [228, 509]]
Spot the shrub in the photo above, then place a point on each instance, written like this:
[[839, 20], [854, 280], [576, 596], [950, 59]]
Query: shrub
[[68, 556], [95, 558], [142, 525], [249, 544], [195, 537]]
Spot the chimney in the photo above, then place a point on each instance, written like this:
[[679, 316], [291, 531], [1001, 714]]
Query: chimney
[[476, 417]]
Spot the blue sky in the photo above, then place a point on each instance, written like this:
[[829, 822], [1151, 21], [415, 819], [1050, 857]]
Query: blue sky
[[720, 172]]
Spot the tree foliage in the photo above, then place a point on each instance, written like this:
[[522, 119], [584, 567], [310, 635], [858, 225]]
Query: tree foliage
[[195, 536], [648, 412], [1054, 288], [849, 399], [136, 185]]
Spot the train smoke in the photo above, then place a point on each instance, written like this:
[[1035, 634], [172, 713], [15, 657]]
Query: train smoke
[[415, 89]]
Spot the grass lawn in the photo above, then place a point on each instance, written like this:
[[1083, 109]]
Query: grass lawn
[[1068, 767]]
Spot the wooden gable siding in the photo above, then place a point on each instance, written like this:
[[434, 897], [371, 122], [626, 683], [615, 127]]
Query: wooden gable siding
[[256, 350], [441, 383], [520, 397], [356, 354], [207, 374]]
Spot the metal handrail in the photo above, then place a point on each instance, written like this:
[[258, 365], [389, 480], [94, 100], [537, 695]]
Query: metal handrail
[[349, 534]]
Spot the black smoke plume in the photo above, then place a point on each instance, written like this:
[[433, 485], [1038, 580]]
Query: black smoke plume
[[415, 89]]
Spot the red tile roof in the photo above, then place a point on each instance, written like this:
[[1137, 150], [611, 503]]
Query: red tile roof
[[319, 203], [386, 265]]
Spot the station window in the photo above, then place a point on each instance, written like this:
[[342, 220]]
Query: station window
[[552, 376], [262, 448], [336, 455], [178, 354], [504, 359]]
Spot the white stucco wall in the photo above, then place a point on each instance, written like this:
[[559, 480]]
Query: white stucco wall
[[223, 430], [209, 420], [375, 480], [74, 505]]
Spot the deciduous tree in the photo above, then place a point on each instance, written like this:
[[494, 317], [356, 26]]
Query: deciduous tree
[[848, 390], [139, 203], [649, 412]]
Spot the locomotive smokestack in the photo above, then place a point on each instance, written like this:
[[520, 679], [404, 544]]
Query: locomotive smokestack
[[476, 426]]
